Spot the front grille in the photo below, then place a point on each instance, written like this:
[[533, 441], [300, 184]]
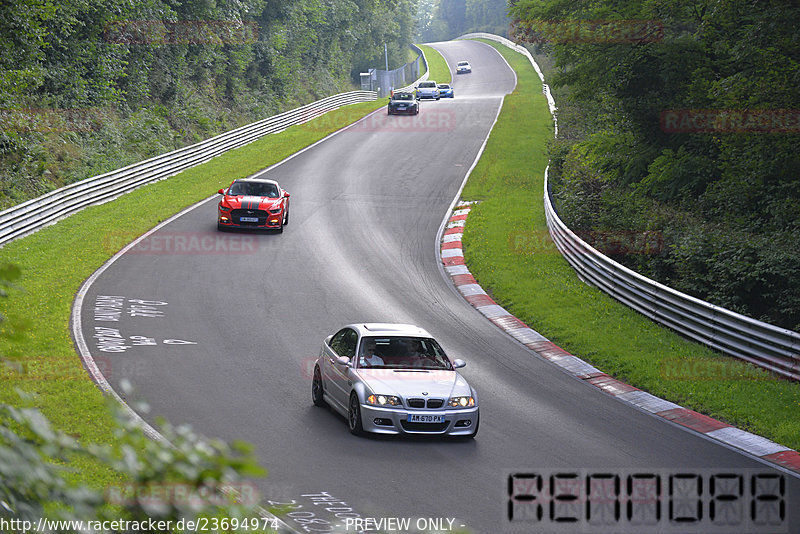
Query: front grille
[[261, 214], [420, 403], [416, 403], [424, 427]]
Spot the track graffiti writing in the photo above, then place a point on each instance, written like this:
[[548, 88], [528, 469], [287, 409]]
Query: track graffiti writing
[[111, 340], [110, 308]]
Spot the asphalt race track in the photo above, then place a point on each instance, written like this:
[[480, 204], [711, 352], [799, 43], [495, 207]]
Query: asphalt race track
[[220, 330]]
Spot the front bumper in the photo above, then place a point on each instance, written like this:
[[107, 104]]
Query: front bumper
[[458, 422], [407, 111], [434, 96], [272, 222]]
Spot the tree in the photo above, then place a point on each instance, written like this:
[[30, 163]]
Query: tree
[[690, 104]]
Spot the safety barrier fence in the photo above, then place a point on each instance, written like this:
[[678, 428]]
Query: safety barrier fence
[[773, 348], [34, 214], [421, 78]]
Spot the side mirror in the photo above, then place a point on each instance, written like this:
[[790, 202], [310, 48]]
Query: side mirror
[[285, 194], [459, 363], [221, 191], [343, 360]]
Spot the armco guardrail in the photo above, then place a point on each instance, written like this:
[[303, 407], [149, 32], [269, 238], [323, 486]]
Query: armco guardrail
[[34, 214], [765, 345], [768, 346]]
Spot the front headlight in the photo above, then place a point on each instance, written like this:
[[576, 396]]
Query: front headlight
[[223, 208], [461, 402], [384, 400], [275, 211]]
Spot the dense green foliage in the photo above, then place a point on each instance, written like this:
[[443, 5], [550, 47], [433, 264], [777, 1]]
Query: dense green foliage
[[639, 149], [440, 20], [184, 478], [508, 249], [87, 87]]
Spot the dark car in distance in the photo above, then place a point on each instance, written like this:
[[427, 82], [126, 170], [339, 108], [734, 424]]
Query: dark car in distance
[[403, 103]]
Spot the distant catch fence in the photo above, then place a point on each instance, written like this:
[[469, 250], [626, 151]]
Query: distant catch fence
[[401, 78]]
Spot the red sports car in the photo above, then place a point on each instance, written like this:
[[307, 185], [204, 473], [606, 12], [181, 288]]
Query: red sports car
[[253, 203]]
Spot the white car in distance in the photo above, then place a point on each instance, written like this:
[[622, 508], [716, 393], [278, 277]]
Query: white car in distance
[[428, 89]]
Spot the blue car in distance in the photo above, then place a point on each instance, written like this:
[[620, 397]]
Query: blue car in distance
[[445, 90]]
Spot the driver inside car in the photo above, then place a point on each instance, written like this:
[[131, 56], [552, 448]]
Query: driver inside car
[[369, 355]]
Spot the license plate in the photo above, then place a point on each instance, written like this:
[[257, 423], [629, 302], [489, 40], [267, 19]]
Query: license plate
[[425, 418], [401, 108], [248, 219]]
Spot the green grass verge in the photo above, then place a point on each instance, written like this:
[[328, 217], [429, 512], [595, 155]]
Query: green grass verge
[[56, 260], [439, 72], [509, 251]]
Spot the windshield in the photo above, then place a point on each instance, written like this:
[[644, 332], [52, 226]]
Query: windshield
[[402, 353], [256, 189], [462, 63], [427, 84]]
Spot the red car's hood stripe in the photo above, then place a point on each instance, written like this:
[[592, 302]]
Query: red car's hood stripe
[[252, 203]]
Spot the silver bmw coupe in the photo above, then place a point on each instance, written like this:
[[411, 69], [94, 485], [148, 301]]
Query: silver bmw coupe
[[394, 379]]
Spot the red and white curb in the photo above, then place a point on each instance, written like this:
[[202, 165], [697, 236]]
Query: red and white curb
[[452, 256]]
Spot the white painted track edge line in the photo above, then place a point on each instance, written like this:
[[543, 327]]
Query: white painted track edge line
[[98, 377], [77, 326], [77, 306], [448, 213]]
